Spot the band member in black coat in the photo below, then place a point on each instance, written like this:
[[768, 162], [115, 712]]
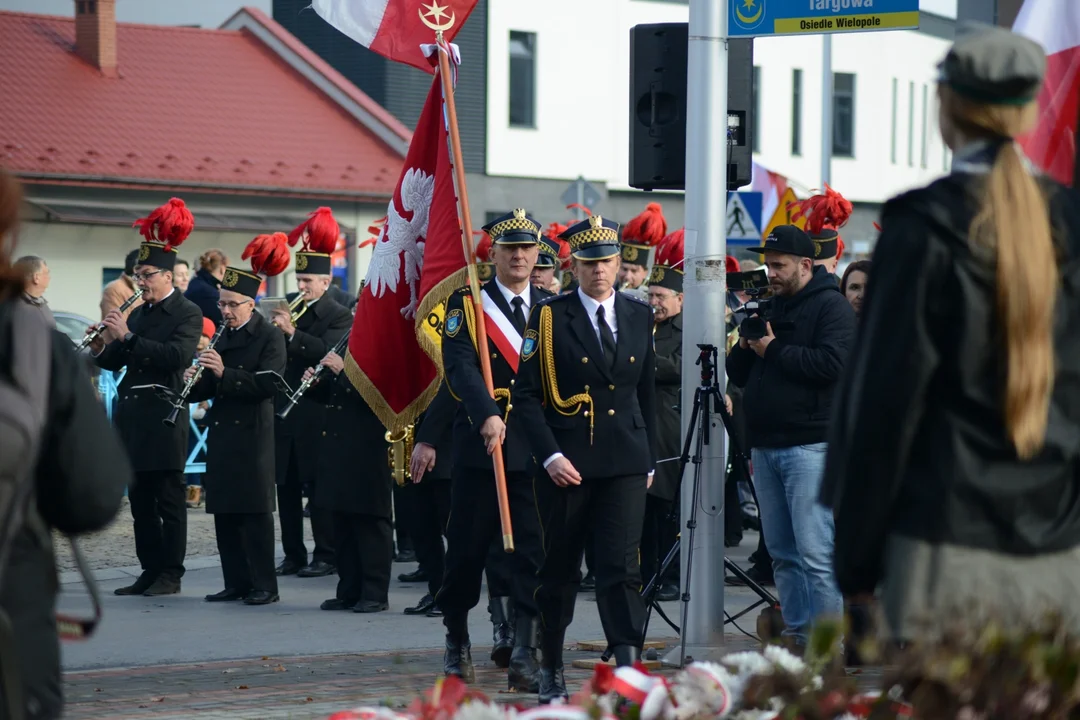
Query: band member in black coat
[[429, 469], [478, 428], [586, 399], [355, 488], [155, 343], [240, 448], [320, 324]]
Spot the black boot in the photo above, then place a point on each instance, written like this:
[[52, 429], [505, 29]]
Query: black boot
[[524, 675], [457, 658], [552, 685], [626, 655], [502, 634]]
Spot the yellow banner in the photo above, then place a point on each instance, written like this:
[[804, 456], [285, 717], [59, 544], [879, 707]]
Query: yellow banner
[[782, 216], [847, 23]]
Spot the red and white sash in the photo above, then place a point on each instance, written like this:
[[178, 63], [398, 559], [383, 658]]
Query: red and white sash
[[501, 331]]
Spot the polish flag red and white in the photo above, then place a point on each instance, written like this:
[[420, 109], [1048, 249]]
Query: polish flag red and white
[[396, 28], [1055, 24], [772, 186]]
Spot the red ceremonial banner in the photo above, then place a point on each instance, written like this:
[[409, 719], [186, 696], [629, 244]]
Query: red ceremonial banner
[[394, 358]]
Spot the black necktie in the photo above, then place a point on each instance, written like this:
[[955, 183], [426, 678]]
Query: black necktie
[[519, 315], [607, 338]]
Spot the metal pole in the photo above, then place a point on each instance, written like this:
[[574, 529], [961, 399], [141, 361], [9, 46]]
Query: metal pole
[[703, 315], [826, 111], [580, 198]]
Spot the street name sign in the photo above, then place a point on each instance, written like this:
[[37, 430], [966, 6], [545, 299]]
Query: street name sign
[[751, 18]]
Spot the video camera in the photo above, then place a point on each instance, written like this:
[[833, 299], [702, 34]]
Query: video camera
[[753, 315]]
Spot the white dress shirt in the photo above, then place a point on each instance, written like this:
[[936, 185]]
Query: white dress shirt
[[590, 306], [509, 295]]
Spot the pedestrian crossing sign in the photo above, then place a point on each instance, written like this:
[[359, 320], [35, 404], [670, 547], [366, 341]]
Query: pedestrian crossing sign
[[743, 217]]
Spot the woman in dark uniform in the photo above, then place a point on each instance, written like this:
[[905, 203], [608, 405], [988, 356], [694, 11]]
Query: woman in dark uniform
[[239, 480], [955, 457]]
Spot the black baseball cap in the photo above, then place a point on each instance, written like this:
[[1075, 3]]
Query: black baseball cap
[[788, 239]]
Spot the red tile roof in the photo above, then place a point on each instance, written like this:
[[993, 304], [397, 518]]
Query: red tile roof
[[248, 109]]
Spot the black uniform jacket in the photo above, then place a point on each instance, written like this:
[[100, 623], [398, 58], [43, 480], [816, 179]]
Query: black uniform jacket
[[567, 399], [668, 341], [240, 448], [162, 347], [351, 452], [435, 427], [465, 381], [918, 445]]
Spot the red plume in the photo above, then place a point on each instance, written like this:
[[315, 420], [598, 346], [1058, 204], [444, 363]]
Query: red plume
[[375, 229], [576, 206], [839, 247], [648, 228], [269, 254], [877, 227], [554, 230], [171, 223], [564, 249], [732, 264], [828, 211], [483, 248], [670, 252], [320, 232]]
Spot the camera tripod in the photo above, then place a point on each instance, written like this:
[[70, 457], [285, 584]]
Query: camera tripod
[[699, 436]]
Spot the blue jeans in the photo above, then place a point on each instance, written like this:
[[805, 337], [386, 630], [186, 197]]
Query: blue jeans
[[799, 534]]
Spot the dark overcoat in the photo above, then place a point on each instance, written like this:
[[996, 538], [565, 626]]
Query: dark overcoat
[[161, 347], [240, 447], [668, 341]]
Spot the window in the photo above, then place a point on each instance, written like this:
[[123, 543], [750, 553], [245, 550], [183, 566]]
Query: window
[[522, 79], [892, 143], [844, 114], [925, 114], [911, 125], [756, 121], [796, 112]]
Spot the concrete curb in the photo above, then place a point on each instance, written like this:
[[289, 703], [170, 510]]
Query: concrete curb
[[204, 562]]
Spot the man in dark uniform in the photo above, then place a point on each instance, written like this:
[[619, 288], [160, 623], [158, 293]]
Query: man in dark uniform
[[543, 274], [478, 427], [586, 399], [156, 343], [355, 487], [321, 323], [429, 468], [239, 476], [661, 529]]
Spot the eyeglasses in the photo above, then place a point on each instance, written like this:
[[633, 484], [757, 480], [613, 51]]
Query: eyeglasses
[[231, 305], [146, 275]]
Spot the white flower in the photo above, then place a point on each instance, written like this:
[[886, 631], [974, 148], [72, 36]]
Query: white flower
[[784, 660], [475, 710], [747, 664]]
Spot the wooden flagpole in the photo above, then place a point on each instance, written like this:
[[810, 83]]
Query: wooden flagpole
[[474, 280]]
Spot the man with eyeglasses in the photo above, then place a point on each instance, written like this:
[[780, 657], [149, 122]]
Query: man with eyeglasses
[[155, 343], [320, 324]]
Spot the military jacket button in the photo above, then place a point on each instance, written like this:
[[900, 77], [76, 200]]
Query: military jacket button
[[584, 359], [610, 387], [610, 412], [632, 358]]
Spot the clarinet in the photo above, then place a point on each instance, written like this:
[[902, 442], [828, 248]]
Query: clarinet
[[98, 329], [295, 397], [181, 399]]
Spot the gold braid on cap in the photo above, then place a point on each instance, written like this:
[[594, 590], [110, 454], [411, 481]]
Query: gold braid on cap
[[572, 405], [596, 233], [516, 223]]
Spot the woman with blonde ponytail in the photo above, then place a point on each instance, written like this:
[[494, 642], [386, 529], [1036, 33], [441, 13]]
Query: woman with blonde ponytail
[[954, 462]]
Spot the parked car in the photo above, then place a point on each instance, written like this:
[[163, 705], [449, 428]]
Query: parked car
[[72, 325]]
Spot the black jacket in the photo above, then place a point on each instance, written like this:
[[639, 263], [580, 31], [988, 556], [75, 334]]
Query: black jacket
[[81, 475], [919, 447], [205, 290], [465, 381], [240, 447], [162, 347], [789, 392], [615, 434], [435, 427], [668, 341]]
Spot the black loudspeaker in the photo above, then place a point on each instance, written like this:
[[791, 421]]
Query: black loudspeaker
[[658, 60]]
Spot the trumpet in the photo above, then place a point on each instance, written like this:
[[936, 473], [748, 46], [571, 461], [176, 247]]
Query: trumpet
[[339, 348], [400, 452], [296, 308], [181, 400], [96, 332]]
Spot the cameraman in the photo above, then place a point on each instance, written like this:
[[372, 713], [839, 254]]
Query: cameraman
[[789, 369]]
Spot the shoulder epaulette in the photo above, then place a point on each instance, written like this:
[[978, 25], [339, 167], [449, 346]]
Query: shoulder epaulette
[[552, 298], [464, 290], [636, 299]]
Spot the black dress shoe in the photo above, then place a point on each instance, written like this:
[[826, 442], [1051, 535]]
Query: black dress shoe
[[423, 607], [337, 604], [288, 567], [405, 556], [435, 611], [163, 586], [417, 575], [370, 606], [227, 595], [261, 597], [141, 585], [588, 583], [761, 575], [668, 592], [552, 685], [317, 568]]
